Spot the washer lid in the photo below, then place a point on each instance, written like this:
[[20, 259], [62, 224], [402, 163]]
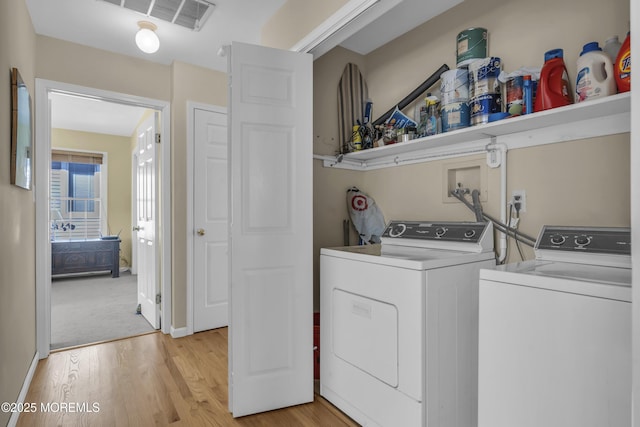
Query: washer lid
[[590, 280], [406, 256]]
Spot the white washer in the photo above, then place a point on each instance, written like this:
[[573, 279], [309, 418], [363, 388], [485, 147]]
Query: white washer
[[398, 333], [555, 333]]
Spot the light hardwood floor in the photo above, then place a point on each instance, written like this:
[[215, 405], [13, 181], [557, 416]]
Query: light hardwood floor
[[152, 380]]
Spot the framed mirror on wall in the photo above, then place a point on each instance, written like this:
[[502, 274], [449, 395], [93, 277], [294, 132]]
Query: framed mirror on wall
[[21, 135]]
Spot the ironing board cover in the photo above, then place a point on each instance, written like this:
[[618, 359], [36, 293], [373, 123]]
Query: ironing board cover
[[352, 95]]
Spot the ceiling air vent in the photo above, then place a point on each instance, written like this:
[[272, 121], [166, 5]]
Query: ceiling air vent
[[191, 14]]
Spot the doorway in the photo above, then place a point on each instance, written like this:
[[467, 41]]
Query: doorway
[[44, 90], [90, 202]]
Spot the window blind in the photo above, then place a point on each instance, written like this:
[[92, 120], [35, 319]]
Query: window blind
[[76, 157]]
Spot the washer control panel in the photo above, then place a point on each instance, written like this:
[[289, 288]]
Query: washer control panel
[[601, 240], [470, 232]]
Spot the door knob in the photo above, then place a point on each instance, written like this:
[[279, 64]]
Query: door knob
[[136, 228], [201, 232]]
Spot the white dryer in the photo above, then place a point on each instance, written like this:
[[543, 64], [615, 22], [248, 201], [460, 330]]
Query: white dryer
[[555, 333], [399, 324]]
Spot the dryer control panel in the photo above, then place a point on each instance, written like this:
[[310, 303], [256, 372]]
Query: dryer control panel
[[464, 236], [451, 231]]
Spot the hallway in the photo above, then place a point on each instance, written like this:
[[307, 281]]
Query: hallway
[[150, 380]]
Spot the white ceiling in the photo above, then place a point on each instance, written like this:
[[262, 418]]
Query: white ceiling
[[93, 115], [105, 26], [395, 22]]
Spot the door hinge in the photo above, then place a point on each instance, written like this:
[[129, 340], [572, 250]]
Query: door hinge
[[158, 298], [158, 138]]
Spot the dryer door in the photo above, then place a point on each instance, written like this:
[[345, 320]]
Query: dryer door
[[366, 334]]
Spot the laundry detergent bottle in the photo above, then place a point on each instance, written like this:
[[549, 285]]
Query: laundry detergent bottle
[[595, 77], [611, 47], [553, 87], [623, 66]]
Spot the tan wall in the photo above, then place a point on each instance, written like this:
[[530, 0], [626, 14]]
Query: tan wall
[[118, 153], [295, 19], [17, 216], [559, 192], [76, 64], [583, 182]]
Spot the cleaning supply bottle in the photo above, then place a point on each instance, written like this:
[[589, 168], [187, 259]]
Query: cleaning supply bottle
[[553, 86], [432, 115], [623, 66], [595, 77], [356, 138], [527, 95], [612, 47]]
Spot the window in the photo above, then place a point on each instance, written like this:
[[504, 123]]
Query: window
[[76, 204]]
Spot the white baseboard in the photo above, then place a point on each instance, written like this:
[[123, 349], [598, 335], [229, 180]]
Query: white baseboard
[[179, 332], [25, 388]]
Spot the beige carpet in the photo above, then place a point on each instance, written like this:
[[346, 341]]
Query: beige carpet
[[96, 308]]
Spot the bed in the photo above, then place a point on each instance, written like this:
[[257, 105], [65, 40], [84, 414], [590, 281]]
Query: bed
[[84, 256]]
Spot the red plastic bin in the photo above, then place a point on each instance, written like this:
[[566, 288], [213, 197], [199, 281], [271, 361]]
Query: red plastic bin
[[316, 346]]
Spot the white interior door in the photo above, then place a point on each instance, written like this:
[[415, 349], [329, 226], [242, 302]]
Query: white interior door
[[134, 210], [271, 299], [210, 219], [146, 227]]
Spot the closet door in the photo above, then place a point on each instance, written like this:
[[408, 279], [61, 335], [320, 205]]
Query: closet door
[[271, 271]]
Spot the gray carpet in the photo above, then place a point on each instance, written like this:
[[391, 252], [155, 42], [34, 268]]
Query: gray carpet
[[89, 309]]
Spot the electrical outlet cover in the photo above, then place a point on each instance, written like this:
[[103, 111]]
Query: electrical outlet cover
[[520, 196]]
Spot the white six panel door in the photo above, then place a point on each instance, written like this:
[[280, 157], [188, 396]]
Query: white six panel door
[[147, 171], [271, 299], [211, 260]]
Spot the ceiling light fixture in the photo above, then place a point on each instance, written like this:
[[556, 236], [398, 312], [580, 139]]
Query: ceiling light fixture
[[146, 38]]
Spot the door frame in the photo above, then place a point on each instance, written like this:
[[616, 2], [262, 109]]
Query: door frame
[[41, 195], [191, 113]]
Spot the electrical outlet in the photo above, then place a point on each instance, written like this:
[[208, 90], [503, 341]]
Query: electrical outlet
[[519, 196]]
